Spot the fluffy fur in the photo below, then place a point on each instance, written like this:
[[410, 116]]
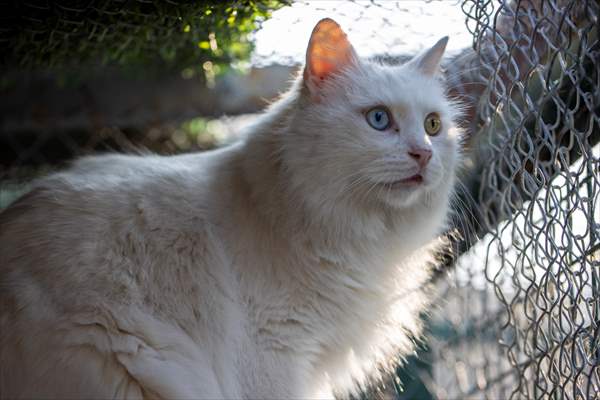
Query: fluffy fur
[[281, 266]]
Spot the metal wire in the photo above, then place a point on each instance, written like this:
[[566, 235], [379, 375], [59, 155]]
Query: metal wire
[[536, 64]]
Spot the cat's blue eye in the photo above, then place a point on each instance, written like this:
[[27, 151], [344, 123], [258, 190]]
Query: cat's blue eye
[[378, 118]]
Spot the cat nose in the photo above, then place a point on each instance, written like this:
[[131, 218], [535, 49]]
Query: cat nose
[[421, 156]]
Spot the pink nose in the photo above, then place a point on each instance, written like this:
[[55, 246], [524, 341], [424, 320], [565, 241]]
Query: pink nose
[[421, 156]]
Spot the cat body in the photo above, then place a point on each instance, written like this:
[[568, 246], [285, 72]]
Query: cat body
[[292, 264]]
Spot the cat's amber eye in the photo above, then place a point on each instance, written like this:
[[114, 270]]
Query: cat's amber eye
[[378, 118], [433, 124]]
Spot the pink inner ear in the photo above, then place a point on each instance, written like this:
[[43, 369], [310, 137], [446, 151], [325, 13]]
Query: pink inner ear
[[328, 51]]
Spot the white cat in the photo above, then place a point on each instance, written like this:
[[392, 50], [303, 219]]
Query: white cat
[[292, 264]]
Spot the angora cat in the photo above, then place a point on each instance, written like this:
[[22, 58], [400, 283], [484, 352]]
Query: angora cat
[[288, 265]]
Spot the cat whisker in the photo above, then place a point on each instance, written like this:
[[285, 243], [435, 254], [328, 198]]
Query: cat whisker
[[470, 231], [472, 201]]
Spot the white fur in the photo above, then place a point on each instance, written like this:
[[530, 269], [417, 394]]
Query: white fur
[[273, 268]]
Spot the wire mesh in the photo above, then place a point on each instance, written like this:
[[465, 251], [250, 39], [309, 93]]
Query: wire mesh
[[42, 33], [518, 313], [537, 192]]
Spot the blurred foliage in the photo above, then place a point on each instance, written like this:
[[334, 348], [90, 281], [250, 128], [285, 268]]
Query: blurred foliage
[[142, 34], [200, 133]]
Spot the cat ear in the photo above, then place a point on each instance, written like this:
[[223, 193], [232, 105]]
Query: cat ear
[[429, 61], [329, 51]]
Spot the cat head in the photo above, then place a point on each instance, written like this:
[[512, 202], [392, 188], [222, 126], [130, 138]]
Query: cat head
[[371, 132]]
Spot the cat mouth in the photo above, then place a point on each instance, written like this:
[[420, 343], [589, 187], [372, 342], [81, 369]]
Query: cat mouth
[[413, 180]]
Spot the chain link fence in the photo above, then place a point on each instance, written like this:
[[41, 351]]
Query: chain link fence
[[528, 290], [518, 308]]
